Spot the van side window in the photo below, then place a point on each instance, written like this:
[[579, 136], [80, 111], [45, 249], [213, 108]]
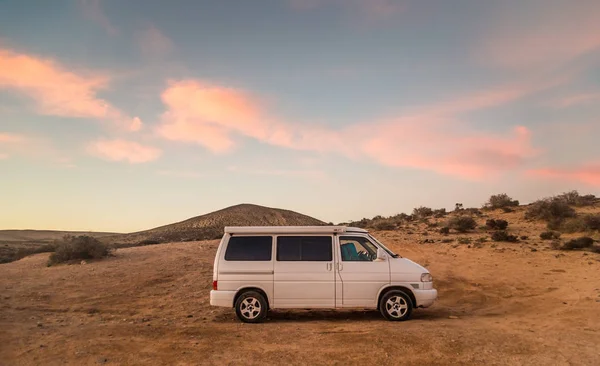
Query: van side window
[[357, 249], [304, 248], [249, 248]]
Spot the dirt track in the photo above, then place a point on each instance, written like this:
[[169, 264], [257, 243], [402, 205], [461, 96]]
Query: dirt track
[[149, 305]]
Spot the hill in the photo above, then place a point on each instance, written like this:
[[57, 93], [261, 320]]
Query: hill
[[210, 226], [45, 235]]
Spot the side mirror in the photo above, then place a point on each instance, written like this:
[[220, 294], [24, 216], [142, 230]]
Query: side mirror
[[381, 256]]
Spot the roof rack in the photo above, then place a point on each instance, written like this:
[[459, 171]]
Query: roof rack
[[292, 229]]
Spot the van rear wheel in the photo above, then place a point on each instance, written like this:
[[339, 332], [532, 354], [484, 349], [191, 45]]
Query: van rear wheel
[[251, 307], [395, 305]]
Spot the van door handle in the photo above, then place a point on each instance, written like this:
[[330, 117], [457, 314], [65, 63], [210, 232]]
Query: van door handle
[[340, 267], [329, 266]]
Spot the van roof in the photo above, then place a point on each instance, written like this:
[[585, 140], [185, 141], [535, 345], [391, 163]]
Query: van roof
[[292, 229]]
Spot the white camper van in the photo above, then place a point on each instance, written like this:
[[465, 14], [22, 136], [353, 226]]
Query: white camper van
[[309, 267]]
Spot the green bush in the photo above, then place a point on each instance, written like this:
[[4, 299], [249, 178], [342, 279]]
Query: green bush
[[422, 211], [462, 224], [549, 235], [579, 243], [500, 201], [502, 235], [78, 248]]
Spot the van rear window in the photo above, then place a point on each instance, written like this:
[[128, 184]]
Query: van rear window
[[249, 248], [304, 248]]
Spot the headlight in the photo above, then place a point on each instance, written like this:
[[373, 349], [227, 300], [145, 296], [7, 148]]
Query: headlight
[[426, 277]]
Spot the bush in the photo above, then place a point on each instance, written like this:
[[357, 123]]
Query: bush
[[549, 210], [462, 224], [464, 240], [500, 201], [592, 222], [77, 248], [549, 235], [573, 198], [385, 225], [422, 211], [496, 224], [570, 225], [579, 243], [149, 242], [504, 236], [445, 230], [439, 213]]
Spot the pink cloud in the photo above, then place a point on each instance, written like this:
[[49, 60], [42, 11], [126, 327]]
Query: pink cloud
[[588, 174], [59, 92], [578, 99], [550, 37], [154, 43], [10, 138], [431, 137], [123, 150], [93, 11]]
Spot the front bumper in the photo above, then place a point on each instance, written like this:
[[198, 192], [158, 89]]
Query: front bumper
[[425, 298], [222, 298]]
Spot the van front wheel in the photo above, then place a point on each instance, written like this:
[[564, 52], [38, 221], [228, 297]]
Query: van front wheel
[[251, 307], [395, 305]]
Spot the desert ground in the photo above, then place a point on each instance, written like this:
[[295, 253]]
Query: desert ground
[[499, 304]]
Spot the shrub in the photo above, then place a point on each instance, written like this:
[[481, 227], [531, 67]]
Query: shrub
[[573, 198], [458, 206], [500, 201], [439, 213], [149, 242], [502, 235], [385, 225], [76, 248], [570, 225], [445, 230], [462, 224], [592, 222], [549, 209], [496, 224], [422, 211], [464, 240], [579, 243], [549, 235]]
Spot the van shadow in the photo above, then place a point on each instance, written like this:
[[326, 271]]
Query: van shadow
[[283, 316]]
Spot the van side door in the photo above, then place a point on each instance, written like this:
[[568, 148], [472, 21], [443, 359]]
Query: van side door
[[303, 272], [360, 273]]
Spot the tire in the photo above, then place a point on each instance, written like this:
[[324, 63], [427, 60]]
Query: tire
[[396, 305], [251, 307]]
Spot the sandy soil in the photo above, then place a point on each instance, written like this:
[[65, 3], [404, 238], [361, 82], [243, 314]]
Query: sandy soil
[[149, 305]]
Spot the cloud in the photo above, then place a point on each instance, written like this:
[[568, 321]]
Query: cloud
[[92, 10], [123, 150], [544, 36], [578, 99], [369, 9], [588, 174], [432, 137], [58, 91], [153, 43], [11, 138]]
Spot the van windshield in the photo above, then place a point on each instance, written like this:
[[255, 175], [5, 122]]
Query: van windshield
[[394, 255]]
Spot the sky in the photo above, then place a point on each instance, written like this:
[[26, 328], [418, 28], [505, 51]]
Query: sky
[[126, 115]]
